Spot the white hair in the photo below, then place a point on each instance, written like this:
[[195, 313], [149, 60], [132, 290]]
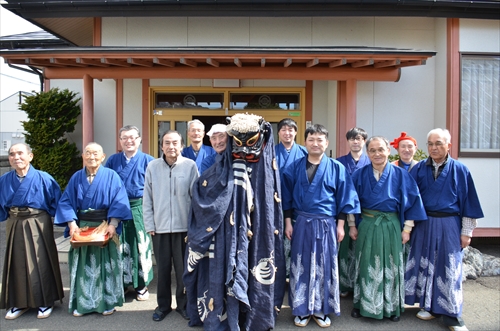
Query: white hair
[[197, 122], [442, 133]]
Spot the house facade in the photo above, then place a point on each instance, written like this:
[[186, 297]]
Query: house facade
[[382, 68]]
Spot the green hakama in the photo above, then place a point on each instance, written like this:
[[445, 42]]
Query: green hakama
[[99, 288], [347, 262], [136, 249], [379, 288]]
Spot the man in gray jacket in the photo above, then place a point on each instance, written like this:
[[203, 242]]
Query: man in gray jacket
[[166, 203]]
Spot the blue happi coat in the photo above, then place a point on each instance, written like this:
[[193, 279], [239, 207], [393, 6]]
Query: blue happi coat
[[394, 192], [351, 165], [204, 152], [131, 173], [235, 274], [38, 190], [285, 158], [107, 191]]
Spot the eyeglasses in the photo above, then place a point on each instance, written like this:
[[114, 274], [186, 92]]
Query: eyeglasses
[[356, 139], [129, 138], [437, 144]]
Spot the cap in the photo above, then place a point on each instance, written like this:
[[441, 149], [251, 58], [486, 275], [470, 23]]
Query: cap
[[403, 136], [216, 128]]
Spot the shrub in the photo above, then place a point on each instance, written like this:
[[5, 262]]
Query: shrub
[[51, 115]]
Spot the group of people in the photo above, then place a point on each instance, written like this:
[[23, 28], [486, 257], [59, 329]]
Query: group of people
[[238, 218]]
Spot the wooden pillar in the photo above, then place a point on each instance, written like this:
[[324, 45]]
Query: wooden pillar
[[346, 112], [119, 110], [145, 117], [88, 110], [453, 83]]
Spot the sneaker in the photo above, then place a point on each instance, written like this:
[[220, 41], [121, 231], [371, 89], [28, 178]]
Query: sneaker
[[322, 320], [301, 320], [425, 315], [458, 328], [15, 312], [77, 314], [142, 295], [108, 312], [44, 312]]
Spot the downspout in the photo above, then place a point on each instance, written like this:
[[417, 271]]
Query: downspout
[[34, 71]]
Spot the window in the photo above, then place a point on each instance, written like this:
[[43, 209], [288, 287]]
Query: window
[[480, 106]]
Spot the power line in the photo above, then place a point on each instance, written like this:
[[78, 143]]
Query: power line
[[23, 80]]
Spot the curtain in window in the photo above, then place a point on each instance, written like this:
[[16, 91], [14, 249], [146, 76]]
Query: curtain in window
[[480, 107]]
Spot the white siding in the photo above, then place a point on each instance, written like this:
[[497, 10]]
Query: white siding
[[479, 35]]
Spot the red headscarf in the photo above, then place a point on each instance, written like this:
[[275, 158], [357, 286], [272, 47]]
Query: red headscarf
[[403, 136]]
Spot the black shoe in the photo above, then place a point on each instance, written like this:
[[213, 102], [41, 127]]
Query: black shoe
[[394, 318], [159, 315], [183, 313], [355, 313]]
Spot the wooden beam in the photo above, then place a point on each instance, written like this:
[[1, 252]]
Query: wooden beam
[[337, 63], [312, 63], [188, 62], [287, 63], [385, 64], [41, 62], [139, 62], [411, 63], [390, 74], [115, 62], [453, 83], [67, 62], [262, 62], [212, 62], [119, 110], [237, 62], [91, 62], [362, 63], [163, 62]]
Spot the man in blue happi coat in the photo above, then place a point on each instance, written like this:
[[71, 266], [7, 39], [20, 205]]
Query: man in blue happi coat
[[318, 193], [352, 161], [135, 242], [28, 200], [235, 270], [287, 151], [434, 267], [197, 151], [218, 139], [94, 194]]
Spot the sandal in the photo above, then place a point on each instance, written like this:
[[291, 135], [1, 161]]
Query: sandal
[[301, 320], [322, 320], [44, 312], [14, 313], [143, 294]]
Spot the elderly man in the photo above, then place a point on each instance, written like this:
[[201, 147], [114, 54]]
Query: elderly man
[[318, 192], [434, 268], [352, 161], [218, 139], [406, 147], [131, 164], [28, 200], [167, 201], [94, 194], [197, 151]]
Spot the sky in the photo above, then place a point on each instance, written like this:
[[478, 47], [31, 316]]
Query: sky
[[13, 80]]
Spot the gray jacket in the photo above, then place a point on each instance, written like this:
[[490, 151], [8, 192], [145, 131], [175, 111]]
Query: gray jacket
[[167, 195]]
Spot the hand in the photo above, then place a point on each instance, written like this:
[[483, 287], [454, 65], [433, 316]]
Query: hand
[[340, 232], [405, 236], [73, 228], [288, 229], [110, 230], [152, 233], [465, 241], [353, 232]]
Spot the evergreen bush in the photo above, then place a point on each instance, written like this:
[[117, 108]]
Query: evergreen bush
[[51, 115]]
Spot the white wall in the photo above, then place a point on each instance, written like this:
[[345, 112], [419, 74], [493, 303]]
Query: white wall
[[105, 115], [479, 35]]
